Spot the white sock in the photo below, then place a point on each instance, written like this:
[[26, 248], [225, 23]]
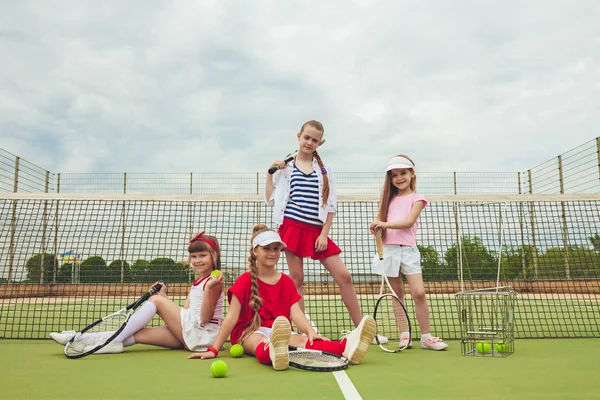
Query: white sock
[[130, 341], [139, 320], [425, 336], [95, 337]]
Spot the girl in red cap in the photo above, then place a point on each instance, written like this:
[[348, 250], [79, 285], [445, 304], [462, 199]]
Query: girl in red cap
[[193, 327]]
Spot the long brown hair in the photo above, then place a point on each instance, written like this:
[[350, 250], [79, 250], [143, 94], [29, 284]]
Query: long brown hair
[[255, 300], [319, 126], [389, 190]]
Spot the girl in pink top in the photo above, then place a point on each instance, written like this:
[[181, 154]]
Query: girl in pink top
[[399, 210]]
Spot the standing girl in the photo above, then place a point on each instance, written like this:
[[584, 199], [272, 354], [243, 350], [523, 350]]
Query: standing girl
[[261, 304], [399, 210], [302, 194], [193, 327]]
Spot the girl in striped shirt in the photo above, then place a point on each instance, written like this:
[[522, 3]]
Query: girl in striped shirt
[[302, 194]]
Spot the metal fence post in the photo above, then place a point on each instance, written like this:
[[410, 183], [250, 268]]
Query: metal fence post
[[564, 219]]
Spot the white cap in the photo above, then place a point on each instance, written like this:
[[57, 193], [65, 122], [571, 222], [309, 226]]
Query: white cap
[[398, 163], [267, 237]]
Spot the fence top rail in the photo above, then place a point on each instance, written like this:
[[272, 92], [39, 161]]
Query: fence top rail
[[471, 198]]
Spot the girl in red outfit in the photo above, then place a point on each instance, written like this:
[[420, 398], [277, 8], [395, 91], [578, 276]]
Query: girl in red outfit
[[261, 304]]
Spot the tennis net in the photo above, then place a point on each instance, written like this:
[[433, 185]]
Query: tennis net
[[68, 259]]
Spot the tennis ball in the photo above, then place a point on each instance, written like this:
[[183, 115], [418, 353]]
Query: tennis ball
[[218, 369], [216, 273], [236, 351], [502, 347], [483, 347]]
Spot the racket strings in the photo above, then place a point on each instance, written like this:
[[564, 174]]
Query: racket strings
[[96, 335], [392, 321], [314, 359]]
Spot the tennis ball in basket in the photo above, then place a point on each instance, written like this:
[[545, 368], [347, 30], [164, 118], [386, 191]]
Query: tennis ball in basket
[[218, 369], [483, 347], [502, 347], [216, 273], [236, 351]]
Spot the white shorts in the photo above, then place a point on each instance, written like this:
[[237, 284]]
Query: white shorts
[[396, 259], [197, 337], [266, 332]]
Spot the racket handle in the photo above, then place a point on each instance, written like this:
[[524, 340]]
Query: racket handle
[[155, 289], [289, 158], [379, 243]]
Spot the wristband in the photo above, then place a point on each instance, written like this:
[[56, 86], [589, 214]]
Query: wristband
[[213, 350]]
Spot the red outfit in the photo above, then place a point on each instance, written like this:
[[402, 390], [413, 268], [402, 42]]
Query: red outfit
[[300, 239], [277, 300]]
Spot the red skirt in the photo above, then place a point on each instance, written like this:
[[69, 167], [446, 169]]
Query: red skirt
[[300, 239]]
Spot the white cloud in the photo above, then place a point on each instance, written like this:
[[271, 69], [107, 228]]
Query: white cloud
[[153, 86]]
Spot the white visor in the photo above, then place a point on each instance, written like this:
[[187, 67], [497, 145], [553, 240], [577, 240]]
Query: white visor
[[399, 163], [265, 238]]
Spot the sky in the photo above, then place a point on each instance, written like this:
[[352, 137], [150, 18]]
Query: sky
[[219, 86]]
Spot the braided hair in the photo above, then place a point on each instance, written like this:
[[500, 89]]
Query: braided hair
[[319, 126], [255, 300]]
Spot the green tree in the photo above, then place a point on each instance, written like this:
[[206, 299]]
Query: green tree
[[140, 272], [65, 273], [168, 271], [595, 241], [93, 270], [33, 267], [113, 272], [479, 263], [433, 268]]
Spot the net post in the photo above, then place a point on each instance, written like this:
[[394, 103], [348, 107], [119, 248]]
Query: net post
[[523, 264], [598, 156], [564, 219], [533, 241], [44, 226], [55, 267]]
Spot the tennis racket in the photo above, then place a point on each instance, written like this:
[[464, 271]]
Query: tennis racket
[[390, 314], [315, 360], [101, 332], [287, 159]]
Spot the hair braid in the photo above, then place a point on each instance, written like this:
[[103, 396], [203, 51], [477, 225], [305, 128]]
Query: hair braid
[[255, 299], [325, 178]]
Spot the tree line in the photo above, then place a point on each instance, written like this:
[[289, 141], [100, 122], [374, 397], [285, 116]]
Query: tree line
[[479, 263]]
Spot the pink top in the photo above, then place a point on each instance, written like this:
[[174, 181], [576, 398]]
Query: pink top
[[398, 210]]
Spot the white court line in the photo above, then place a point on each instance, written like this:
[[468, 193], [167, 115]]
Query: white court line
[[348, 389]]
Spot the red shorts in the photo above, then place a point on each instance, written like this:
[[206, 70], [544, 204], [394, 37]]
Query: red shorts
[[300, 239]]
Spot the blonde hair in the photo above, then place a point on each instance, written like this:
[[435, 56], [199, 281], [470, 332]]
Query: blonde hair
[[319, 126], [389, 190], [255, 300], [198, 244]]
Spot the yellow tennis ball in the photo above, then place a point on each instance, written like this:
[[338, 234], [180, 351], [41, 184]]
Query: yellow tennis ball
[[236, 351], [218, 369], [502, 347], [483, 347], [216, 273]]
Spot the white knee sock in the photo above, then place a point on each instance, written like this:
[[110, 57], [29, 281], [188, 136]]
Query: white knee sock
[[130, 341], [139, 320]]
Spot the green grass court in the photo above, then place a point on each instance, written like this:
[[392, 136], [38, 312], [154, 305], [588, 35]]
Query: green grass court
[[539, 318], [539, 369]]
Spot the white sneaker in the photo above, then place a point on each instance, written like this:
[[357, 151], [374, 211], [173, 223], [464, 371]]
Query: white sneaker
[[433, 343], [382, 339], [357, 341], [113, 348], [63, 337], [279, 342]]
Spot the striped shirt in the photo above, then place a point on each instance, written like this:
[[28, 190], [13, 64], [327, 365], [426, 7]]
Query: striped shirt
[[303, 205]]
